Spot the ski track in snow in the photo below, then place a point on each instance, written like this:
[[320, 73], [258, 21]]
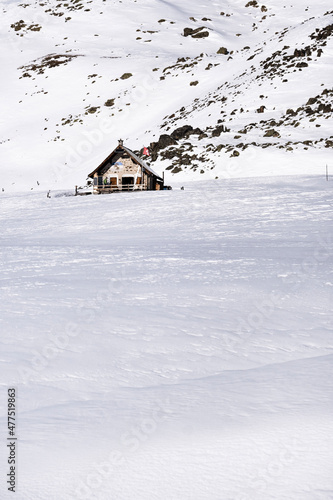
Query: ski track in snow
[[171, 345]]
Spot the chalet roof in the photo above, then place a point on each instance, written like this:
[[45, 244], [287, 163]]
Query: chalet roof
[[121, 148]]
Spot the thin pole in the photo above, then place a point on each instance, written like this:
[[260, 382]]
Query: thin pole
[[326, 172]]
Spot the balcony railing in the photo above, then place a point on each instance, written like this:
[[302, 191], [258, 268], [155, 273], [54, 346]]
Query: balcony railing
[[108, 188]]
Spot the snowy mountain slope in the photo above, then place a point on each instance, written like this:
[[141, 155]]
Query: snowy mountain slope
[[79, 75], [189, 359]]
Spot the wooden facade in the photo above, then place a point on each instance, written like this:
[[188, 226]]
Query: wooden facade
[[123, 170]]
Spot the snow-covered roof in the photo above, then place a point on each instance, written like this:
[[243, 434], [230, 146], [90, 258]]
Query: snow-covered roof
[[119, 148]]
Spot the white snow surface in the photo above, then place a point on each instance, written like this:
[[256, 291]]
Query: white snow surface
[[168, 345], [173, 344]]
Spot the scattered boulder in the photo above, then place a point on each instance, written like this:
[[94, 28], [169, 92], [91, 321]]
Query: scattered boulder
[[218, 130], [325, 108], [272, 133], [92, 109], [175, 170], [252, 3], [302, 52], [182, 132], [223, 50], [196, 33], [109, 103], [197, 131], [202, 34], [261, 109]]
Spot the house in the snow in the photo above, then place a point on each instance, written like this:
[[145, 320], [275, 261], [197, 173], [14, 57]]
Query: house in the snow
[[123, 170]]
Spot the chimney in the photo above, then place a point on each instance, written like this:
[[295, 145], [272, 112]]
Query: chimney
[[121, 142]]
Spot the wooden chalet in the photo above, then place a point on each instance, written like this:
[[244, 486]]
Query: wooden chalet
[[123, 170]]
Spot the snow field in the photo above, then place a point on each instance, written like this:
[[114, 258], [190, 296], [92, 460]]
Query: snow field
[[173, 344]]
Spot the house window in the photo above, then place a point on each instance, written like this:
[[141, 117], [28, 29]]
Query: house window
[[128, 180], [100, 180], [95, 181], [113, 181]]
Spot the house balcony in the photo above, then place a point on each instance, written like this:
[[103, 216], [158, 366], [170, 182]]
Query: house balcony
[[109, 188]]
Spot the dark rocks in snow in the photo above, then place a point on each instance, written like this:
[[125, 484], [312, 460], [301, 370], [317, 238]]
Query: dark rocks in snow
[[109, 102], [196, 33], [166, 140], [163, 142], [325, 108], [302, 52], [170, 153], [217, 131], [47, 62], [308, 110], [311, 101], [184, 132], [322, 34], [202, 34], [252, 3], [223, 51], [261, 109], [175, 170], [271, 133]]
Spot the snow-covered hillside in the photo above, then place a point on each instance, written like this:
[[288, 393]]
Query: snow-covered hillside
[[176, 344], [189, 358], [79, 75]]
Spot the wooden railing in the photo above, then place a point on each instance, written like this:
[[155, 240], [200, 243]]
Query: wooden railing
[[126, 187]]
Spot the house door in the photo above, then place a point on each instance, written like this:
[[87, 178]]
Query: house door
[[128, 182], [151, 183]]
